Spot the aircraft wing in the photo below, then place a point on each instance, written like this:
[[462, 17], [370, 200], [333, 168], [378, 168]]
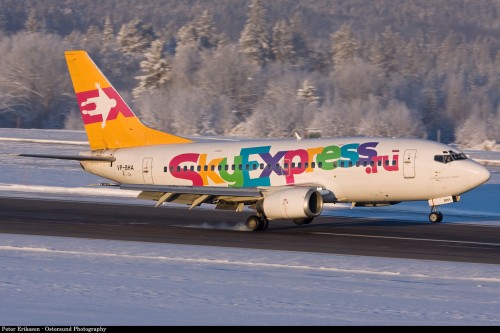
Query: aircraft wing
[[71, 157], [223, 197]]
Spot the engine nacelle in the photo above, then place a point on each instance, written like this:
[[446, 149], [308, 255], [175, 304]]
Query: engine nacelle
[[293, 203]]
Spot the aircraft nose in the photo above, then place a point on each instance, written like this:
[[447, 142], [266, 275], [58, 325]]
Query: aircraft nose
[[478, 174]]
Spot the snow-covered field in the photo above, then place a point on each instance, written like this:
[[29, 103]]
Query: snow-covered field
[[70, 281]]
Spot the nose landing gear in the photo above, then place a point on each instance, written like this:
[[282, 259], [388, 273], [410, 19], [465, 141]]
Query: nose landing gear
[[435, 216]]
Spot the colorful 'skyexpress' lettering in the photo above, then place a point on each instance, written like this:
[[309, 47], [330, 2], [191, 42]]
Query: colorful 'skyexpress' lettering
[[236, 170]]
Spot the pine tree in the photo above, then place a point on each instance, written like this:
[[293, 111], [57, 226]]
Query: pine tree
[[308, 93], [135, 37], [390, 47], [345, 46], [301, 52], [254, 40], [32, 24], [187, 35], [282, 43], [205, 30], [156, 70], [108, 34]]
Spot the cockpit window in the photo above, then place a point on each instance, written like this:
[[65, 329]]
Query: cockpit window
[[449, 156]]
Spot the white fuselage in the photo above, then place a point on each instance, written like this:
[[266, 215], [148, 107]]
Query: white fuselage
[[364, 170]]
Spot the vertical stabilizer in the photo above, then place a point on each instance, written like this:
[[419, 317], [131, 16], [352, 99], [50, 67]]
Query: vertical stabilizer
[[109, 121]]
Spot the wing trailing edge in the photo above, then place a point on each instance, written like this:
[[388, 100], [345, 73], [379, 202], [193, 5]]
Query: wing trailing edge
[[71, 157]]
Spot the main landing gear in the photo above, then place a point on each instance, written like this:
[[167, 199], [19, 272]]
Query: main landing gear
[[257, 223], [435, 216]]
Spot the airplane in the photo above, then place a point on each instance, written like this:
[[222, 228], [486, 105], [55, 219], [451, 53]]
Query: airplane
[[278, 179]]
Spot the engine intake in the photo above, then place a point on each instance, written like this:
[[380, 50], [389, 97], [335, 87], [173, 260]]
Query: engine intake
[[293, 203]]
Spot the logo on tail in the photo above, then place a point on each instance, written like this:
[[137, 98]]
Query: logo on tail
[[103, 105]]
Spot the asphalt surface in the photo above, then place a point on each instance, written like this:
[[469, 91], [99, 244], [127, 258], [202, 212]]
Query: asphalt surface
[[338, 235]]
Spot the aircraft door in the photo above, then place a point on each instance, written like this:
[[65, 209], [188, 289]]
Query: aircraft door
[[147, 170], [409, 163]]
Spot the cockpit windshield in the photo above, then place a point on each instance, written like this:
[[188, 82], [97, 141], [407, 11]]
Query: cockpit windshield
[[449, 156]]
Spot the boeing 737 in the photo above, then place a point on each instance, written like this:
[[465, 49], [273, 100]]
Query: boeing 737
[[279, 179]]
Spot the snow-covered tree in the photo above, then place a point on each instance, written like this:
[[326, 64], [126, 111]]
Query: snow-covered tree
[[156, 70], [390, 47], [206, 32], [226, 72], [472, 133], [187, 35], [303, 56], [357, 80], [34, 85], [108, 35], [393, 119], [345, 46], [308, 93], [200, 32], [32, 24], [254, 40], [135, 37], [282, 43]]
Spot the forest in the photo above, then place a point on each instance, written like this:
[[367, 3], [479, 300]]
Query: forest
[[255, 68]]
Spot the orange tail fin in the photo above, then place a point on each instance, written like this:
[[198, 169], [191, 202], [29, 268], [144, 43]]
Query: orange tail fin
[[109, 121]]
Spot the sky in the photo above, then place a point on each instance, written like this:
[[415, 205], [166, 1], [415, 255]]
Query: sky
[[75, 281]]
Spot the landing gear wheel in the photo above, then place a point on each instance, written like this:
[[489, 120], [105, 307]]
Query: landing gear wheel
[[302, 221], [256, 223], [253, 222], [435, 217], [265, 223]]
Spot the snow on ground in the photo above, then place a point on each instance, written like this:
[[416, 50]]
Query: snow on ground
[[66, 281], [71, 281]]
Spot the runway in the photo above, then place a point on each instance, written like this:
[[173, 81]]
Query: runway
[[338, 235]]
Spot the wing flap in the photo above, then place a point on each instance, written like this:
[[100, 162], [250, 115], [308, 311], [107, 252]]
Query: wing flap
[[201, 190]]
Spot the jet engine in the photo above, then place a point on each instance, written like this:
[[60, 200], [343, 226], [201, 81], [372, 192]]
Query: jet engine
[[293, 203]]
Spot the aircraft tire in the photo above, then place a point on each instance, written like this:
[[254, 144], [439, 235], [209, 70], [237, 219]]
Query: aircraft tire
[[435, 217], [303, 221], [254, 223]]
